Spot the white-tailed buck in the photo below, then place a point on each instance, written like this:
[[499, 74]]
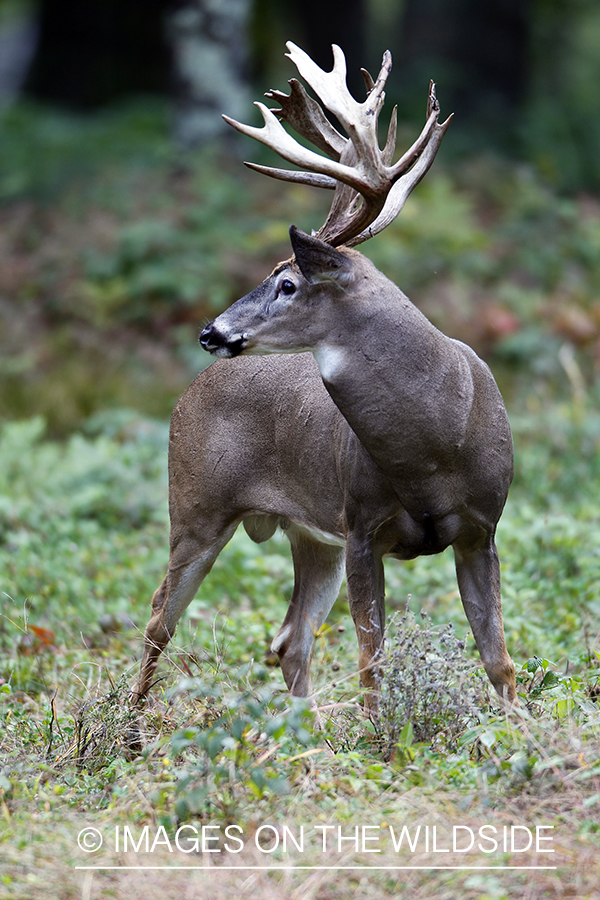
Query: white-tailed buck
[[394, 442]]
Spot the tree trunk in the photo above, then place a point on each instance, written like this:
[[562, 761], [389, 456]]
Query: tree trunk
[[209, 42]]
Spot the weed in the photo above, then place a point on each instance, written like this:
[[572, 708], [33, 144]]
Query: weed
[[240, 747], [430, 690], [102, 728]]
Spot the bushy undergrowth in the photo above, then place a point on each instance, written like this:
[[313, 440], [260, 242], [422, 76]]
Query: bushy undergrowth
[[237, 745], [84, 544], [115, 249], [431, 691]]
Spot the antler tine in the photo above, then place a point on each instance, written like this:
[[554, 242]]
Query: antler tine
[[329, 86], [408, 158], [274, 135], [390, 144], [359, 120], [370, 84], [400, 191], [311, 178], [432, 100], [377, 93], [307, 119]]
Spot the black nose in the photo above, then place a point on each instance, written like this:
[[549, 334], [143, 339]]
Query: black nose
[[212, 340], [206, 338]]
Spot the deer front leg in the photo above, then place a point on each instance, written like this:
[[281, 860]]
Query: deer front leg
[[478, 573], [318, 574], [366, 598]]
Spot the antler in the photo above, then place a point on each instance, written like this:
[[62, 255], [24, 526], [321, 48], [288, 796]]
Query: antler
[[355, 167]]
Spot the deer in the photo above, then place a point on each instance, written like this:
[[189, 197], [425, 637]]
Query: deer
[[336, 411]]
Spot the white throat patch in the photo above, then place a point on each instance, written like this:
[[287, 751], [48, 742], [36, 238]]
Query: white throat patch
[[330, 361]]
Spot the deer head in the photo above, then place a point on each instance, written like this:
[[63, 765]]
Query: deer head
[[369, 192]]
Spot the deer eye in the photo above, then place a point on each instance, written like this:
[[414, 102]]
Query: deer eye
[[287, 287]]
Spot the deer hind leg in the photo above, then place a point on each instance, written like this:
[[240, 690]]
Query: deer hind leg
[[191, 559], [478, 573], [318, 574], [366, 597]]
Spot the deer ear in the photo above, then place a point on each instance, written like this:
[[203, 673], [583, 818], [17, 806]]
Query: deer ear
[[319, 261]]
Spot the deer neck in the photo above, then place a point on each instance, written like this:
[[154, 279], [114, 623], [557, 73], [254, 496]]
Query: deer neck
[[404, 387]]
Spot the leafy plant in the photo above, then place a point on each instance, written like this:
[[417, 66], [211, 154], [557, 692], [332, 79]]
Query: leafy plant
[[103, 729], [430, 689], [242, 745]]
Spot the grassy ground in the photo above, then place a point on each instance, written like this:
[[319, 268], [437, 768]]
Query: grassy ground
[[83, 545]]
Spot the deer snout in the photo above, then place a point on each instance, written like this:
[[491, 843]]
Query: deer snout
[[219, 344]]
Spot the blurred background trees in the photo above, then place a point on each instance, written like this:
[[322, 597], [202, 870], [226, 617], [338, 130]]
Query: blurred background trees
[[126, 218], [89, 53], [520, 75]]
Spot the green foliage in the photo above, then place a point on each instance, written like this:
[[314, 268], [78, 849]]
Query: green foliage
[[227, 743], [99, 479], [430, 690], [43, 150], [60, 505], [117, 248], [169, 260], [240, 749], [537, 742], [560, 122]]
